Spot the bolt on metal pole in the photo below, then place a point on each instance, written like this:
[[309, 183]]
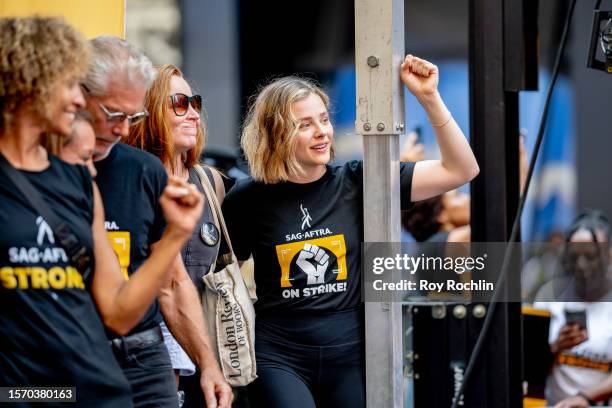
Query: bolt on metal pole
[[379, 51]]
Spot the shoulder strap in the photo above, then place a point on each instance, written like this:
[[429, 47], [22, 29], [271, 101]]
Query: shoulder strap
[[74, 249], [210, 176], [213, 181], [205, 183], [211, 196]]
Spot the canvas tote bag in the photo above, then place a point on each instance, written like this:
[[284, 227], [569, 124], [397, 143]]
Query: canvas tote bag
[[228, 309]]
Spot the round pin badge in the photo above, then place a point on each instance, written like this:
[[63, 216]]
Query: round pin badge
[[209, 234]]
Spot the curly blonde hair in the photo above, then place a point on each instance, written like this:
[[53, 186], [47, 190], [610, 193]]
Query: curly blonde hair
[[269, 133], [36, 54]]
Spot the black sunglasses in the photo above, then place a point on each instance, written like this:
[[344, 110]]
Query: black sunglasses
[[181, 102]]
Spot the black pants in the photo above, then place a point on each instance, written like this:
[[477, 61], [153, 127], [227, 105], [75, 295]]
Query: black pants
[[150, 375], [309, 362]]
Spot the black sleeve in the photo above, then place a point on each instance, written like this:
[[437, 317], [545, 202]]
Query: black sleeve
[[79, 176], [87, 181], [406, 171], [160, 178], [237, 225], [355, 169]]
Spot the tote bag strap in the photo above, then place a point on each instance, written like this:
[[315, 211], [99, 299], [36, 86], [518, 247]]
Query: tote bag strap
[[211, 196]]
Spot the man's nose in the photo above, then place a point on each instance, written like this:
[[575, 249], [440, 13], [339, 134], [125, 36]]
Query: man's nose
[[122, 129]]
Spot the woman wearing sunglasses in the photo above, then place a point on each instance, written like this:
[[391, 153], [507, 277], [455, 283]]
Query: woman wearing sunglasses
[[173, 131], [52, 305]]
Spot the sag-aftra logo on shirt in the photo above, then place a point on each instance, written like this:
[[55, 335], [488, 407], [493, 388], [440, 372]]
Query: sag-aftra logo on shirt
[[310, 266], [52, 276], [121, 242]]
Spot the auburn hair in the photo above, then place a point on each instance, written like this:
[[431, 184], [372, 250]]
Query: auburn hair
[[153, 134]]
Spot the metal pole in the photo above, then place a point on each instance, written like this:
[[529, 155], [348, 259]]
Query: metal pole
[[494, 82], [379, 50]]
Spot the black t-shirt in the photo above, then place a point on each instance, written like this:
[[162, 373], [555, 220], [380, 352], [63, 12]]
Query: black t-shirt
[[131, 182], [305, 238], [50, 332]]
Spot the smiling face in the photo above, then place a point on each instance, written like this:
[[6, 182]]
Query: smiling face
[[184, 128], [67, 100], [314, 136], [127, 99]]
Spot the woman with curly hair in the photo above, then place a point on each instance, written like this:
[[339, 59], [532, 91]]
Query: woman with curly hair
[[53, 301]]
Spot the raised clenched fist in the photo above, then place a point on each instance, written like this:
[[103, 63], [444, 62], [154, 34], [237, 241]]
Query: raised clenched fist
[[313, 261]]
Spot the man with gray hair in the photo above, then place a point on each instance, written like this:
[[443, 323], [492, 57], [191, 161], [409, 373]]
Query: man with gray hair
[[130, 182]]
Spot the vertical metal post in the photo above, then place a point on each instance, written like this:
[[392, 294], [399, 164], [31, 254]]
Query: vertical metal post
[[495, 77], [379, 50]]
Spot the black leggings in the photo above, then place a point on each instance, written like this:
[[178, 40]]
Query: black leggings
[[296, 375]]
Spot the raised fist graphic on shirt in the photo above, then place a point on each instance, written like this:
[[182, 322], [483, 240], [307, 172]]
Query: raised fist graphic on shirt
[[313, 261]]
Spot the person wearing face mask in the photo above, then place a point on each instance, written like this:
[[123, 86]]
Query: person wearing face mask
[[302, 221], [173, 131], [581, 347], [53, 302]]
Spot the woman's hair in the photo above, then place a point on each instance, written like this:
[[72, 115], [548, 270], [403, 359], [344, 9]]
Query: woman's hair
[[270, 130], [153, 134], [422, 219], [593, 221], [36, 54], [598, 226]]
